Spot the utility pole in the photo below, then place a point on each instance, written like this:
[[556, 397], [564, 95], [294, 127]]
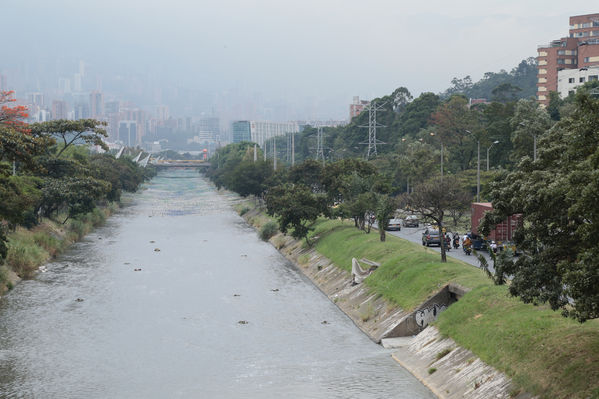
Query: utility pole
[[320, 144], [274, 153], [292, 148], [372, 125], [478, 172]]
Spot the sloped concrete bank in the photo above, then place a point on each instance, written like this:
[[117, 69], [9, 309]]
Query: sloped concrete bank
[[457, 373]]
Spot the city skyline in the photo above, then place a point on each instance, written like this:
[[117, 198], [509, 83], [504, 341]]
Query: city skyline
[[267, 61]]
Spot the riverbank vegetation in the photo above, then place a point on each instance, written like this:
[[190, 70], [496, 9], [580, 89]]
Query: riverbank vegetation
[[544, 353], [547, 175], [53, 187]]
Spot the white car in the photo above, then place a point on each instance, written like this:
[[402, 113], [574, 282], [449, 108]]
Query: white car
[[394, 224]]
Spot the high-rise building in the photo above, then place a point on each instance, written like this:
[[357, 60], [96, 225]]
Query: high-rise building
[[241, 131], [162, 113], [3, 83], [356, 107], [37, 99], [580, 49], [128, 133], [263, 131], [59, 109], [96, 104], [211, 125], [81, 110]]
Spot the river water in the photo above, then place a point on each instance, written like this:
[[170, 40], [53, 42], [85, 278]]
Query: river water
[[94, 327]]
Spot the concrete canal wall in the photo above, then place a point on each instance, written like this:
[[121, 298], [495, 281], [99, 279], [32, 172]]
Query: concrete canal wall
[[439, 363]]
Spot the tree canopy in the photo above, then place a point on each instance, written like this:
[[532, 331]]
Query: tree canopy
[[556, 198]]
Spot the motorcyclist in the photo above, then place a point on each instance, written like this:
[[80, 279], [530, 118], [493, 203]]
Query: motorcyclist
[[467, 245]]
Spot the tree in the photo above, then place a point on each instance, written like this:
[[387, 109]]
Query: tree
[[559, 229], [529, 121], [433, 198], [76, 195], [454, 120], [295, 207], [505, 92], [401, 98], [89, 131], [385, 209], [17, 142]]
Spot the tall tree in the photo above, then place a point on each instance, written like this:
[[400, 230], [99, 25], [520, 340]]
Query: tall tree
[[434, 198], [557, 200], [89, 131]]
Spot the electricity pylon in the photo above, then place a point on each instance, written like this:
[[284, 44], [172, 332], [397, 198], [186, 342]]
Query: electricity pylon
[[372, 125]]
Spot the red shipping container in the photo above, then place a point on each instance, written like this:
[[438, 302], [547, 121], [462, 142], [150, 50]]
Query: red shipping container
[[503, 231]]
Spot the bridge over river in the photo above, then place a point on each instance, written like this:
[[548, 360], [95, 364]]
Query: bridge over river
[[180, 163]]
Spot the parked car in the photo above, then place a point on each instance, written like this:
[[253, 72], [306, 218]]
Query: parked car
[[431, 237], [394, 224], [411, 221]]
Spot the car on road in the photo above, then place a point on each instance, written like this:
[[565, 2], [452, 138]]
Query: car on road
[[394, 224], [411, 221], [431, 237]]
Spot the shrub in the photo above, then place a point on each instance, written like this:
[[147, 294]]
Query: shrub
[[279, 242], [268, 230], [79, 228], [244, 210], [24, 257], [49, 242], [432, 370]]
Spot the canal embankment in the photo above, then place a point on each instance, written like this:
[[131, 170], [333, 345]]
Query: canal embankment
[[486, 344], [30, 248]]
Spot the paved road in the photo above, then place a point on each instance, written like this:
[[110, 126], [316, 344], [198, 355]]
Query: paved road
[[414, 234]]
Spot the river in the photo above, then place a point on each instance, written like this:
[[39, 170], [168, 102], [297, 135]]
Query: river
[[213, 313]]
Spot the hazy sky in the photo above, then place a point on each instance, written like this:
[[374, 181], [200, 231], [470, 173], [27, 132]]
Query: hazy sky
[[315, 54]]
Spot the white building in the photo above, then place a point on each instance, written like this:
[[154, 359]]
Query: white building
[[569, 79], [262, 131]]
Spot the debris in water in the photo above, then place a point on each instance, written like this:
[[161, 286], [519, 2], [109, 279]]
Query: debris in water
[[79, 299], [324, 322], [126, 263], [236, 295], [156, 249], [152, 241], [99, 238], [275, 290], [244, 256], [243, 322], [137, 270]]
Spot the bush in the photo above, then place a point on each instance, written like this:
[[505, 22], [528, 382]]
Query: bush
[[244, 210], [268, 230], [79, 228], [24, 257], [49, 242]]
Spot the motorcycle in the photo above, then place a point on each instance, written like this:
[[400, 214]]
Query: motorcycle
[[467, 249], [456, 243]]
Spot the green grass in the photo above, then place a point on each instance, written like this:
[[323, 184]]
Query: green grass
[[408, 275], [544, 353]]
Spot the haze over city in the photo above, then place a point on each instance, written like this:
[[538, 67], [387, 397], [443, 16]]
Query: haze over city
[[270, 60]]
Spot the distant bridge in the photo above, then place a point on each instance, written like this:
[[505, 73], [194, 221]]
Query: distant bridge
[[180, 163]]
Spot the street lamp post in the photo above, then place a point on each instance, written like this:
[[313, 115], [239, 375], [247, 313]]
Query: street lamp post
[[489, 148], [477, 166]]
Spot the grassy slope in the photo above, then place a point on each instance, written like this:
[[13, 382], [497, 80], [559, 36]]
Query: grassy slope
[[544, 353]]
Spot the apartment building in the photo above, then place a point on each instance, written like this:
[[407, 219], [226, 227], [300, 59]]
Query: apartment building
[[579, 50]]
